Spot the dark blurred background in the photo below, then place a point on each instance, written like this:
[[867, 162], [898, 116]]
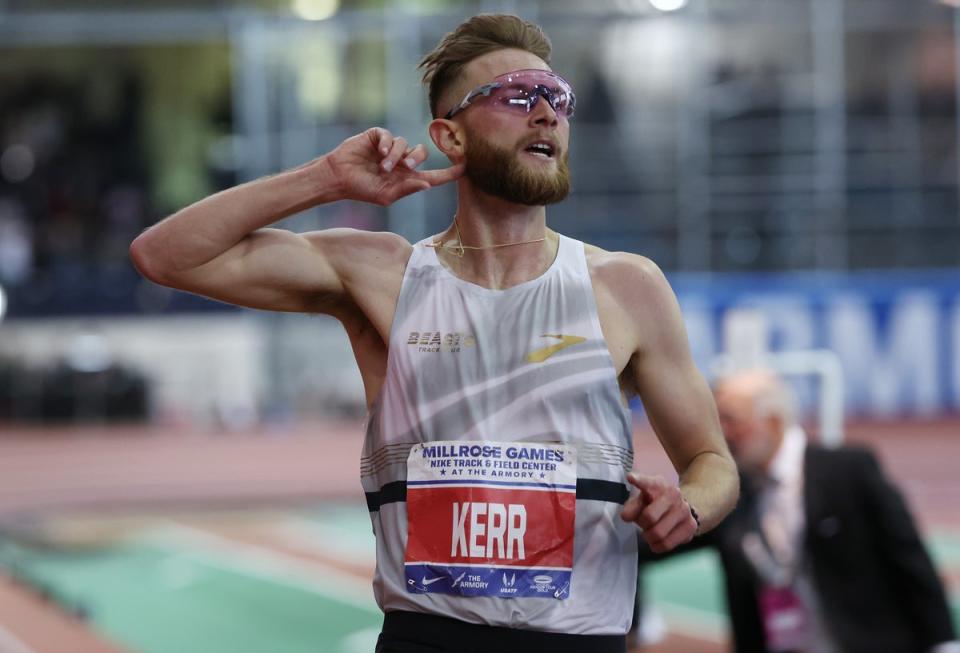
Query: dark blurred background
[[792, 165], [794, 157]]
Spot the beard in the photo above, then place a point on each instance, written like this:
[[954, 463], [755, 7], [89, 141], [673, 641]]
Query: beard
[[498, 171]]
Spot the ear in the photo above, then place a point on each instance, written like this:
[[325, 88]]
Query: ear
[[448, 137]]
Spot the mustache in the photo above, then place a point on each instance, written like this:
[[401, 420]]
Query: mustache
[[558, 150]]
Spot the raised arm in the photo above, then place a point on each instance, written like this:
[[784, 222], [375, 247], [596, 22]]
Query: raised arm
[[681, 410], [221, 247]]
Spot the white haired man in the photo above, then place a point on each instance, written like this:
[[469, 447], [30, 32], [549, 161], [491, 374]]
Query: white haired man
[[821, 555]]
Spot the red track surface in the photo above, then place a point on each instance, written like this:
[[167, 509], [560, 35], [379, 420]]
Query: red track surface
[[28, 624]]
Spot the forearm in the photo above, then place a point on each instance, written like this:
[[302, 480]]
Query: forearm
[[202, 231], [711, 485]]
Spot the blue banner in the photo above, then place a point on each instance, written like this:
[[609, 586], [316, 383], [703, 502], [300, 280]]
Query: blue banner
[[897, 333]]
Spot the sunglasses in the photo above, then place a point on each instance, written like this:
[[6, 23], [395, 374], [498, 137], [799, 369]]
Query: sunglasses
[[519, 92]]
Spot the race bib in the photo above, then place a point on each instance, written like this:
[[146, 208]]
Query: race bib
[[491, 519]]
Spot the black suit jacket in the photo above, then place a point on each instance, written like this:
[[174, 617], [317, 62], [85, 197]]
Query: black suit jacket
[[877, 586]]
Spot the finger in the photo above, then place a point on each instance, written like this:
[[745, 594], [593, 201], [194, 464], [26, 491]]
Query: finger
[[682, 532], [443, 175], [414, 157], [648, 486], [397, 149], [674, 527], [632, 508], [653, 513], [659, 523], [638, 502], [381, 138], [657, 533], [654, 485]]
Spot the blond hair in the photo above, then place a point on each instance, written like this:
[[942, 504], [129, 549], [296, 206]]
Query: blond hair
[[474, 38]]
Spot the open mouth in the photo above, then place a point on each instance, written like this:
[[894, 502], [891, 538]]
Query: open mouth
[[541, 149]]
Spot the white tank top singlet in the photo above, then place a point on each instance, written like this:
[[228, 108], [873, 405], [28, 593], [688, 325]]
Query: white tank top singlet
[[496, 454]]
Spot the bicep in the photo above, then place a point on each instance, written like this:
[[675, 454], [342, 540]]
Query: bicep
[[271, 269], [675, 394], [681, 410]]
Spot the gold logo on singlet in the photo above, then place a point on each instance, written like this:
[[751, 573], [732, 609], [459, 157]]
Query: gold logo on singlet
[[541, 355]]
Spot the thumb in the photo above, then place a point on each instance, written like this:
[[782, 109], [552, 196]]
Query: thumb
[[442, 176], [411, 186]]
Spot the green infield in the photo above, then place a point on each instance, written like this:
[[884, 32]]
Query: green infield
[[170, 588]]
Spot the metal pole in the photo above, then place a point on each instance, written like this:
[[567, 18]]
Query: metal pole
[[250, 97], [694, 191], [827, 27], [956, 84], [406, 110], [251, 49]]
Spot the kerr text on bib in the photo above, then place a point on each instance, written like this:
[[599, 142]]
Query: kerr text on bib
[[491, 518]]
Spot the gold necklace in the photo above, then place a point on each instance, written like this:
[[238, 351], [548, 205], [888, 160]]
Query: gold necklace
[[459, 248]]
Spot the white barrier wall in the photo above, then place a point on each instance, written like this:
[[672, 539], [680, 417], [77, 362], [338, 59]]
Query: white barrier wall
[[206, 368]]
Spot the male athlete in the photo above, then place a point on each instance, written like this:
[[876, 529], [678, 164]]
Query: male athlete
[[497, 359]]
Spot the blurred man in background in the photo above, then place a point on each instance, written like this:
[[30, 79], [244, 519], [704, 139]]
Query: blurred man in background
[[496, 357], [821, 554]]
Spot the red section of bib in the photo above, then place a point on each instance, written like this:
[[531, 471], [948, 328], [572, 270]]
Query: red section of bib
[[480, 524]]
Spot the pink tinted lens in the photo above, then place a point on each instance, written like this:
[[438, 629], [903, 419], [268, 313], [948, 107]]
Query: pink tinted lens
[[520, 91]]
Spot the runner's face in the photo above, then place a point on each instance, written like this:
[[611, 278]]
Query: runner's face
[[500, 155]]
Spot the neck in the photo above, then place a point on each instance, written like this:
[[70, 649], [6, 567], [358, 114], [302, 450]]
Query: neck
[[487, 220], [515, 244]]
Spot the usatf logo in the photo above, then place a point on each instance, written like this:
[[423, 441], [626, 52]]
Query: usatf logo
[[429, 342]]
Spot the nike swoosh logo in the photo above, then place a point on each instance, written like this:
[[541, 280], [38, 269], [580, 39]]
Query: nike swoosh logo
[[425, 582], [541, 355]]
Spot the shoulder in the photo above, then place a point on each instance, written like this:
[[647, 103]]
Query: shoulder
[[624, 273], [845, 461], [632, 281], [350, 249], [849, 454]]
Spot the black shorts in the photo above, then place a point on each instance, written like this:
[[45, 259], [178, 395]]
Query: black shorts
[[412, 632]]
